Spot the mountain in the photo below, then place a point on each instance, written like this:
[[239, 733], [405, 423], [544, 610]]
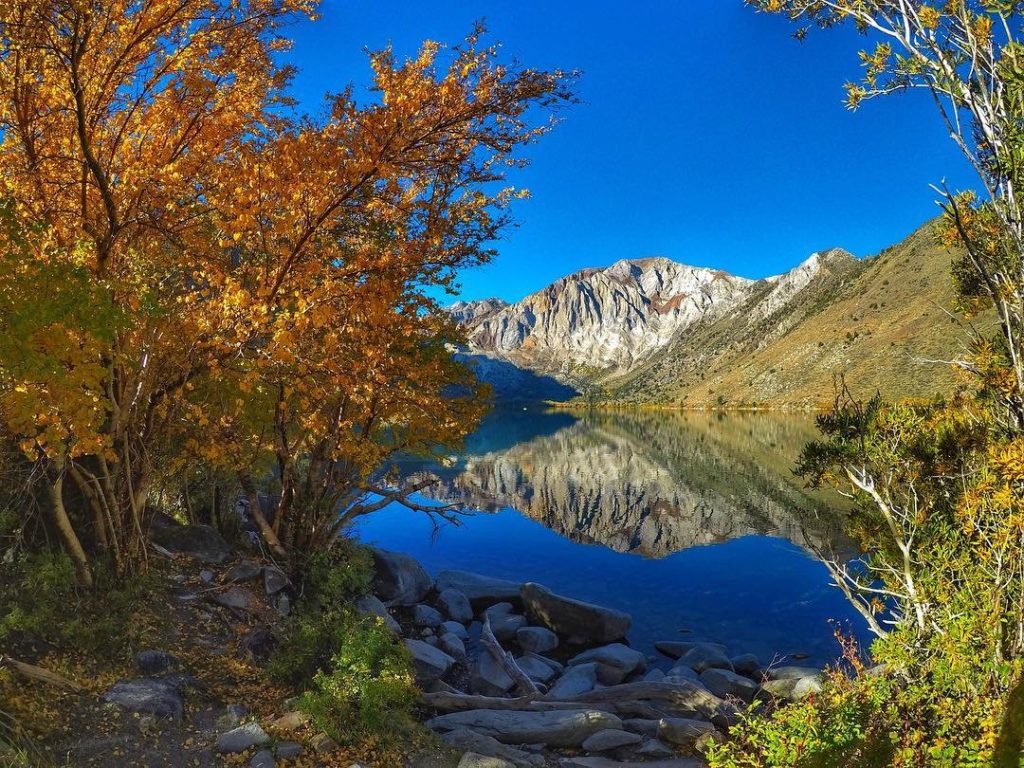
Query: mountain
[[598, 323], [653, 331]]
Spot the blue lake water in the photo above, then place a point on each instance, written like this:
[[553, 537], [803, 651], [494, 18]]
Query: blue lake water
[[690, 522]]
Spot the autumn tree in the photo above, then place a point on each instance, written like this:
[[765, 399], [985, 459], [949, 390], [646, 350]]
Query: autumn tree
[[193, 272]]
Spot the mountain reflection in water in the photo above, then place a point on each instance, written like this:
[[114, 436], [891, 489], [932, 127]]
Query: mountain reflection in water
[[689, 521], [651, 483]]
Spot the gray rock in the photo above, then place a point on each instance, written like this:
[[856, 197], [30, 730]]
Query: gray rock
[[425, 616], [576, 680], [642, 726], [239, 599], [615, 662], [746, 664], [654, 748], [231, 717], [399, 579], [498, 610], [262, 759], [505, 627], [206, 576], [288, 750], [148, 696], [200, 542], [153, 661], [428, 662], [370, 605], [704, 656], [682, 673], [243, 570], [655, 675], [792, 673], [481, 591], [455, 605], [536, 639], [725, 683], [455, 628], [536, 669], [672, 648], [283, 603], [681, 731], [258, 644], [474, 760], [242, 738], [274, 580], [605, 741], [488, 678], [451, 644], [579, 622], [466, 740], [555, 665], [556, 729], [793, 688]]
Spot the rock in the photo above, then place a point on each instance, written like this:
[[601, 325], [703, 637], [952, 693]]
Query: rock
[[241, 738], [615, 662], [370, 605], [672, 648], [262, 759], [451, 644], [399, 579], [230, 718], [556, 728], [655, 675], [605, 741], [724, 684], [556, 667], [705, 656], [746, 664], [454, 628], [498, 611], [425, 616], [470, 741], [474, 760], [792, 688], [792, 673], [197, 541], [274, 580], [288, 750], [243, 570], [148, 696], [488, 678], [641, 725], [654, 748], [426, 633], [206, 576], [290, 721], [428, 662], [536, 669], [154, 662], [259, 643], [682, 673], [455, 605], [505, 627], [481, 591], [682, 731], [536, 639], [579, 622], [322, 744], [239, 599], [283, 603], [576, 680]]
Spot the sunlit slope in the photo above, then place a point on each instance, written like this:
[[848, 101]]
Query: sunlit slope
[[878, 321]]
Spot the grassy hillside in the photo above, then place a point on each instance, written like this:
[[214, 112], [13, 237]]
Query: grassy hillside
[[877, 321]]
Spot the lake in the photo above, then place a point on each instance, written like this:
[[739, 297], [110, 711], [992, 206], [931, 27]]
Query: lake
[[691, 522]]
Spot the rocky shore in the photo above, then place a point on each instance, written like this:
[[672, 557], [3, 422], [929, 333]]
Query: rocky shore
[[517, 675], [513, 675]]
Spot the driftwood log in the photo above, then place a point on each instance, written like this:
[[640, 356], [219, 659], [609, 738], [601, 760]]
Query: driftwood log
[[506, 660], [38, 674]]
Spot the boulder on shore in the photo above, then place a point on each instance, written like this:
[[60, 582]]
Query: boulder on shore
[[370, 605], [148, 696], [399, 579], [683, 732], [482, 591], [579, 622], [455, 605], [555, 729], [579, 679], [615, 662], [428, 662]]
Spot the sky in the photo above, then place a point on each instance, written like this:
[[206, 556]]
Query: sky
[[705, 133]]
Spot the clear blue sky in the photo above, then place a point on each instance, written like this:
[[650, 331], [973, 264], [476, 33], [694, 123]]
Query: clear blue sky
[[705, 133]]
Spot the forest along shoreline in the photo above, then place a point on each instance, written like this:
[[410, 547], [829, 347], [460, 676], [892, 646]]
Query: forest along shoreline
[[511, 674]]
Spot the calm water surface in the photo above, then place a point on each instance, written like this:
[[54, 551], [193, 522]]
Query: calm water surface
[[691, 522]]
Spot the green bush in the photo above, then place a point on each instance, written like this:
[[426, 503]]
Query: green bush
[[368, 690]]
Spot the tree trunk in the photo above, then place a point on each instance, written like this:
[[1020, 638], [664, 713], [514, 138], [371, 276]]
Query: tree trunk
[[68, 537]]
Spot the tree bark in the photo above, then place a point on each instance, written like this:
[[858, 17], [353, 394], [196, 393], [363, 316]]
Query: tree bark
[[72, 544]]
